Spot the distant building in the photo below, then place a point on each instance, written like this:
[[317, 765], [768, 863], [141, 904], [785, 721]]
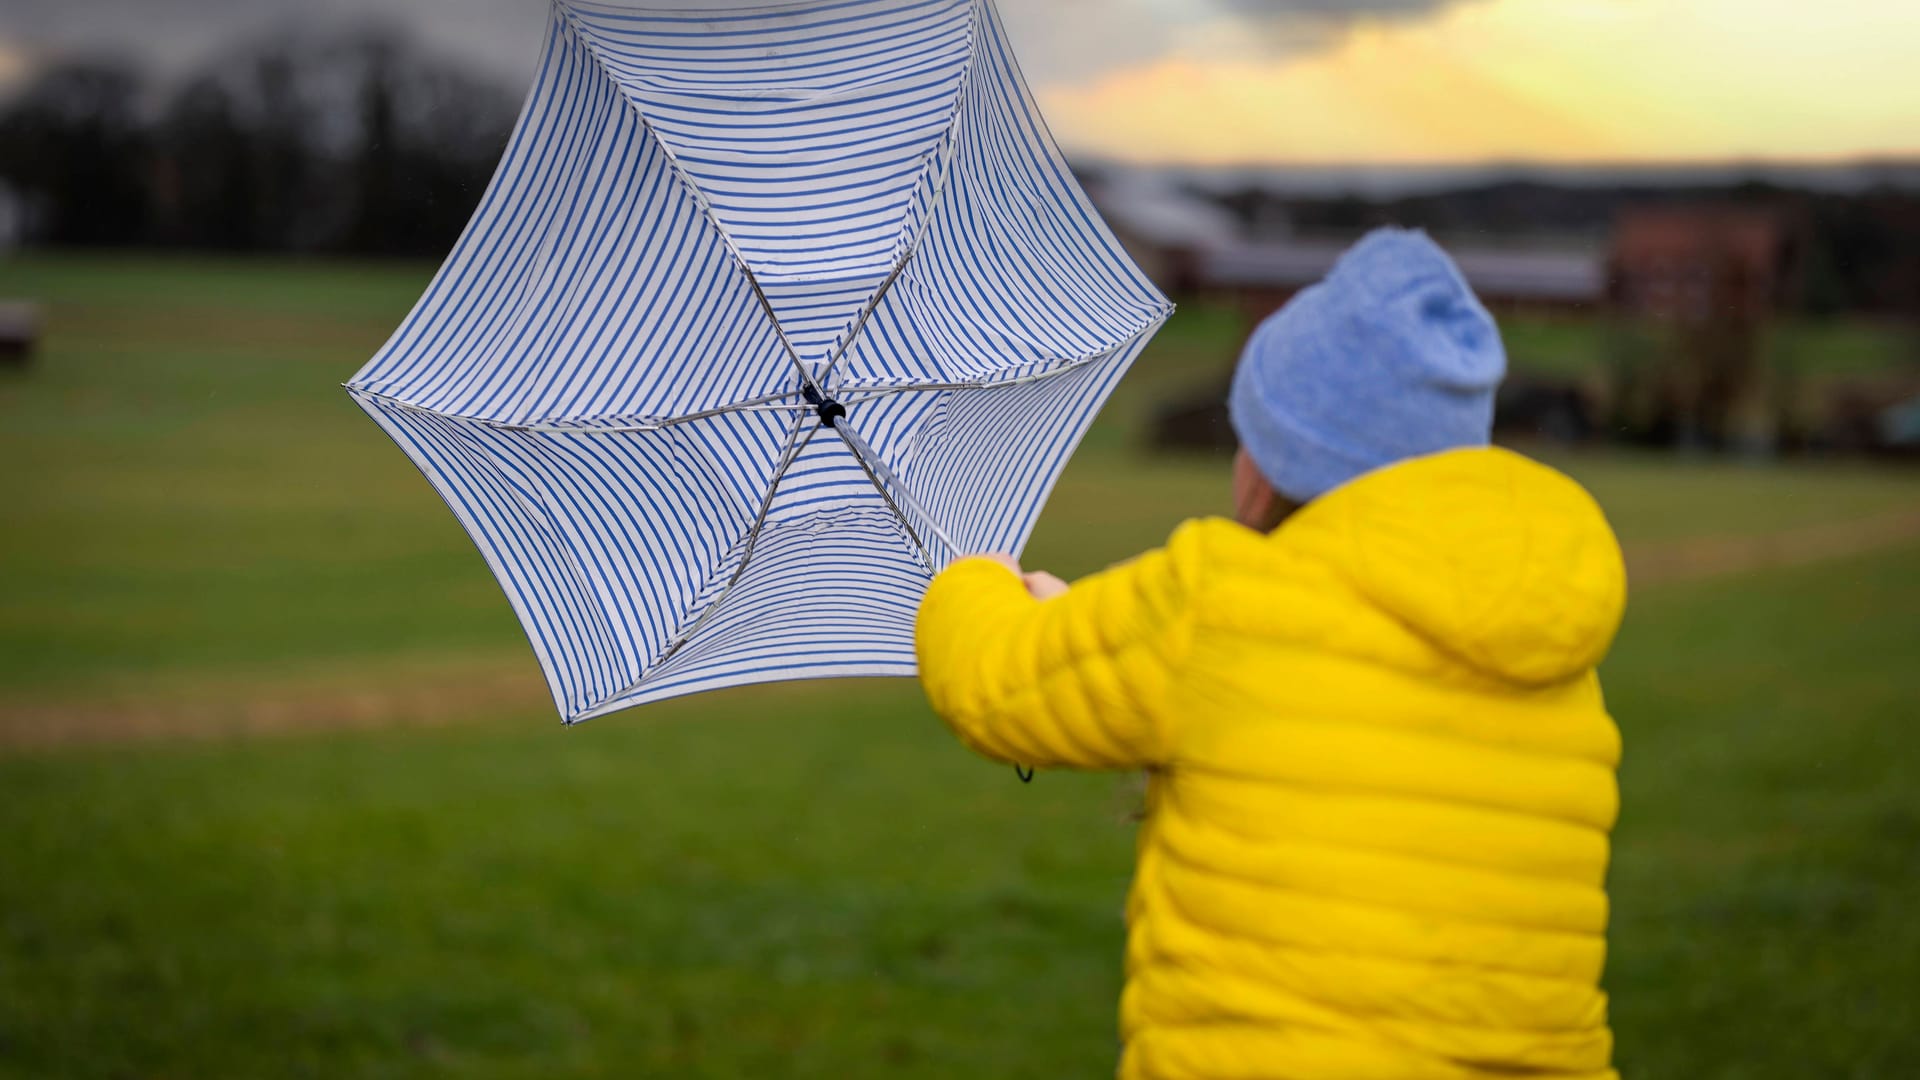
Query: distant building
[[1264, 276], [1715, 275], [1169, 232], [1692, 264], [1190, 244]]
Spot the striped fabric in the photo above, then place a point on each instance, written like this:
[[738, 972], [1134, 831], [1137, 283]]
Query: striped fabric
[[767, 315]]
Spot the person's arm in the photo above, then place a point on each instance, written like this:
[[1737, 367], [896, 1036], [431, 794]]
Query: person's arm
[[1078, 680]]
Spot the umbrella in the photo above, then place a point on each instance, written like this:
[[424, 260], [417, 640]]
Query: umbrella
[[767, 315]]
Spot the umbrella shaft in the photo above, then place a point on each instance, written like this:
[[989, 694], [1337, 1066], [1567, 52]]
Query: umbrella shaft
[[899, 490]]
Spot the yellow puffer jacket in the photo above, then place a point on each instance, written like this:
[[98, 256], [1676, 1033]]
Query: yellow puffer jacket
[[1382, 773]]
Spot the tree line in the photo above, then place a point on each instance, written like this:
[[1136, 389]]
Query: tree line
[[358, 141]]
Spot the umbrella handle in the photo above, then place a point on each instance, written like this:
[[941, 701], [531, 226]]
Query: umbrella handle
[[1025, 774]]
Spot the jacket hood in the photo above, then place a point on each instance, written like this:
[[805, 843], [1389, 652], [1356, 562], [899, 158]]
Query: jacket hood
[[1496, 559]]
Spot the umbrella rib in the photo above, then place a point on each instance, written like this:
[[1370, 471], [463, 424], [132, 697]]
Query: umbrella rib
[[949, 143], [1054, 369], [882, 478], [795, 445], [866, 313], [693, 189], [862, 394], [771, 403]]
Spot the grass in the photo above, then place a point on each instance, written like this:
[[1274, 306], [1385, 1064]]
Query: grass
[[790, 881], [1813, 353], [714, 896], [816, 882], [1769, 857]]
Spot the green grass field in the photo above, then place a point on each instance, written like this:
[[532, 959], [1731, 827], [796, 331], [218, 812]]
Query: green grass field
[[789, 881], [1808, 354]]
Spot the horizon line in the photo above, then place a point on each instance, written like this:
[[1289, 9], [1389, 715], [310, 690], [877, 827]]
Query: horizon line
[[1909, 159]]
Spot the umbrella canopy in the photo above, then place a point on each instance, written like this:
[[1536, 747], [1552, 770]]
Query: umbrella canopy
[[767, 315]]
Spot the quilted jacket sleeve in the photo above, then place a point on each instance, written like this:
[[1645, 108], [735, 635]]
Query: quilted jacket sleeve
[[1078, 681]]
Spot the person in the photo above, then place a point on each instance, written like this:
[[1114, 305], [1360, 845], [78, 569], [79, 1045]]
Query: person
[[1381, 775]]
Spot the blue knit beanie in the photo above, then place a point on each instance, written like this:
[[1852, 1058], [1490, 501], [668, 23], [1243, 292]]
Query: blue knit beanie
[[1390, 358]]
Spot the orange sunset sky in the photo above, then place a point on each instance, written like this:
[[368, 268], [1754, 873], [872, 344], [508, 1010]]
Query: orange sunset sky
[[1549, 80]]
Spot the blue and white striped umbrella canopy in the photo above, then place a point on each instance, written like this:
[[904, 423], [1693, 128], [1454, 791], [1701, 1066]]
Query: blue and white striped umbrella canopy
[[767, 315]]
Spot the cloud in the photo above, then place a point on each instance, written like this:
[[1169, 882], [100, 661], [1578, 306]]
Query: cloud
[[1276, 29], [171, 36], [1060, 42], [1074, 41], [1070, 41]]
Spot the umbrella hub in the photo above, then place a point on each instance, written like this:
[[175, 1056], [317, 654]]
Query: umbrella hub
[[829, 410]]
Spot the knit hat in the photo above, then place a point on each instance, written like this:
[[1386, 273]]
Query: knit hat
[[1391, 357]]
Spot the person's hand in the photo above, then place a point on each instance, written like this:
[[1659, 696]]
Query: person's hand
[[1043, 586], [1040, 584], [1007, 561]]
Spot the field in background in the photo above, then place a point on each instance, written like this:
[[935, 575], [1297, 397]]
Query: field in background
[[798, 881], [1813, 353]]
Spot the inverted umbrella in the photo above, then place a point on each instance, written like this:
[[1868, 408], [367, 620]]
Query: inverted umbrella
[[767, 315]]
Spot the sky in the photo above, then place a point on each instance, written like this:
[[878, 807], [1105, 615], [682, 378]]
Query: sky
[[1285, 81]]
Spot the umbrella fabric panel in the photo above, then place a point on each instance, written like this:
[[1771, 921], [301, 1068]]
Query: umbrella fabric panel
[[1016, 274], [815, 314], [607, 545], [823, 479], [825, 585], [984, 462], [812, 131], [834, 597], [590, 283]]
